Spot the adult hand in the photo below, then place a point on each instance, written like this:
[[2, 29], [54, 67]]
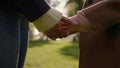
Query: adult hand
[[72, 26], [62, 29], [55, 32]]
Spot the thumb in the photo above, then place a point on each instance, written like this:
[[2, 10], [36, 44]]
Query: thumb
[[68, 21]]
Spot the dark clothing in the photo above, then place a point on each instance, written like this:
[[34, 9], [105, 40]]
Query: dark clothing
[[13, 40], [29, 8], [14, 16]]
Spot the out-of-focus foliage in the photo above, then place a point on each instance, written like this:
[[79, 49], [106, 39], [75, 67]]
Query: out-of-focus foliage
[[52, 54], [48, 1], [73, 6]]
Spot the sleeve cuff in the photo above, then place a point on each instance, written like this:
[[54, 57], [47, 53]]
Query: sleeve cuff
[[85, 23], [48, 20], [88, 26]]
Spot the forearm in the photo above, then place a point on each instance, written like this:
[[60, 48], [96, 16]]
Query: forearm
[[32, 9]]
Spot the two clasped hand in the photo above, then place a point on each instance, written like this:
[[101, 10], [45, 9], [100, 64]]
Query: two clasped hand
[[61, 29], [67, 26]]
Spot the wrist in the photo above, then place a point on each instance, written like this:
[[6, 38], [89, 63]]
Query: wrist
[[48, 20], [85, 25]]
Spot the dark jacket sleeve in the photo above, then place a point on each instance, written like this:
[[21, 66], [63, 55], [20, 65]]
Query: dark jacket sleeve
[[32, 9]]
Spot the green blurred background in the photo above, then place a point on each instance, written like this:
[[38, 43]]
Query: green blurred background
[[62, 53], [52, 54]]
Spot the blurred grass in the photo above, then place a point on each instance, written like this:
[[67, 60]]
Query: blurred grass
[[52, 54]]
